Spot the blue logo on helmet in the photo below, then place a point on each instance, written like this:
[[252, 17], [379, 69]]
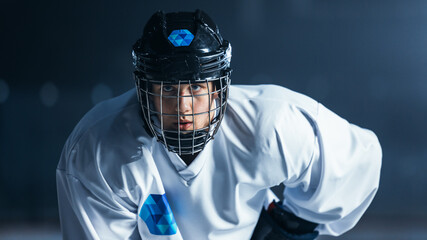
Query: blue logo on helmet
[[181, 37]]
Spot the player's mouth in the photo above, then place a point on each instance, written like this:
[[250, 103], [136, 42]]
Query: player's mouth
[[185, 125]]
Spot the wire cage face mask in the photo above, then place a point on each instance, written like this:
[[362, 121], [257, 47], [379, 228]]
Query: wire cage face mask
[[184, 115]]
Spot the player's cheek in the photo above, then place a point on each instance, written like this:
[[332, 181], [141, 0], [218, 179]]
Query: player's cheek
[[168, 104], [201, 105], [203, 120]]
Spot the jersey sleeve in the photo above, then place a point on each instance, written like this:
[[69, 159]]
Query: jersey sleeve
[[92, 210], [341, 178]]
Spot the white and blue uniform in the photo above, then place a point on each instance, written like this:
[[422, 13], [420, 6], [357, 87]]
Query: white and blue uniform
[[112, 174]]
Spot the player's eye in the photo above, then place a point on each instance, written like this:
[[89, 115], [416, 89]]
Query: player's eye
[[195, 87], [167, 88]]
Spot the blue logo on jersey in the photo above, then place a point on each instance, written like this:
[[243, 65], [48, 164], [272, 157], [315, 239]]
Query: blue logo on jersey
[[181, 37], [158, 216]]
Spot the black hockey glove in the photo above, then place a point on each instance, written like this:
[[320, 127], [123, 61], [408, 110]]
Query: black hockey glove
[[278, 224]]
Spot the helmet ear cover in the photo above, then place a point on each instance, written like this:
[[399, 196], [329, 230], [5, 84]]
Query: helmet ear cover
[[202, 59]]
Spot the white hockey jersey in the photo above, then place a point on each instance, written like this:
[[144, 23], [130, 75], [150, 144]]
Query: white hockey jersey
[[116, 182]]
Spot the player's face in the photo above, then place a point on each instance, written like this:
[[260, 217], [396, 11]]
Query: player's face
[[177, 99]]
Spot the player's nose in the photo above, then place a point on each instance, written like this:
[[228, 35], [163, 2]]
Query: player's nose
[[184, 104]]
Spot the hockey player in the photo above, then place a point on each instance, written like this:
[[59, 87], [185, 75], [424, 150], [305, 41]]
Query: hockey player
[[189, 156]]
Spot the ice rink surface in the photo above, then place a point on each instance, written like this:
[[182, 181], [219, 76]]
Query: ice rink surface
[[368, 229]]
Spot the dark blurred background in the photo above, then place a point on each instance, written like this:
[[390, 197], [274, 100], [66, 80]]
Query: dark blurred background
[[365, 60]]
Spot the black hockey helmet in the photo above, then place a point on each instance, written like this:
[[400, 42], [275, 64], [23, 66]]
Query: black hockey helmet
[[181, 48]]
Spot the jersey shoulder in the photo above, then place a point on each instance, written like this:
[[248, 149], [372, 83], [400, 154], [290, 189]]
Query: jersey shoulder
[[262, 111], [105, 111], [269, 124], [109, 132], [266, 104], [269, 95]]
